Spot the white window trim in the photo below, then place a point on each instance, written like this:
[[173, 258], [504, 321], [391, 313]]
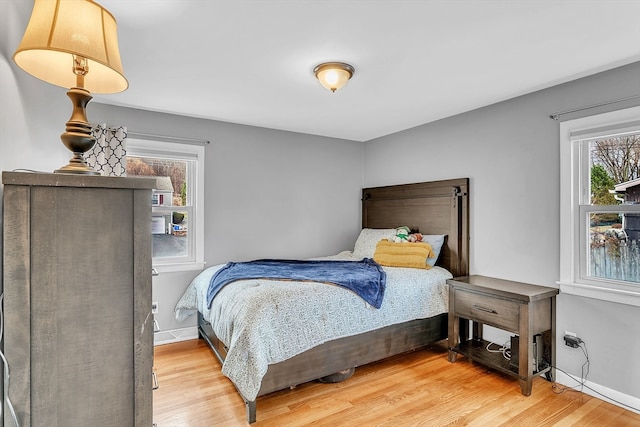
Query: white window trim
[[142, 147], [570, 282]]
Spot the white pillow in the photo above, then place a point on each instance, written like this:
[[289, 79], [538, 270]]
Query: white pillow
[[436, 241], [366, 243]]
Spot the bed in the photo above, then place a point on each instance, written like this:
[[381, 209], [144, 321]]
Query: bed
[[297, 343]]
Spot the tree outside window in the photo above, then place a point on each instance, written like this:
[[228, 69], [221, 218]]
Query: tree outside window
[[614, 168]]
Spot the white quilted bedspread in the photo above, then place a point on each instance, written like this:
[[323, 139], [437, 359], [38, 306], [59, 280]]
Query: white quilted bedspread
[[263, 322]]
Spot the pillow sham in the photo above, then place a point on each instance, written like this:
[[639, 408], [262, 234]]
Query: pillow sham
[[368, 239], [436, 241], [403, 254]]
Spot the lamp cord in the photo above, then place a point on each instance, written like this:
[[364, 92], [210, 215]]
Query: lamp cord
[[6, 369]]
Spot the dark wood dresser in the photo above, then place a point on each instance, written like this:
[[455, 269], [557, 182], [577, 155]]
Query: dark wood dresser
[[523, 309], [78, 334]]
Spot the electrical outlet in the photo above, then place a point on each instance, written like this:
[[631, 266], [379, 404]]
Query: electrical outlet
[[571, 334], [154, 307], [571, 340]]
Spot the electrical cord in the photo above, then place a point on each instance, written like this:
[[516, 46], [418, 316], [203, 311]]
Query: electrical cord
[[557, 388], [6, 369], [504, 349], [28, 170], [584, 373]]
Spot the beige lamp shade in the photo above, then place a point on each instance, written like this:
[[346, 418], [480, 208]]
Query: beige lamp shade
[[333, 75], [60, 29]]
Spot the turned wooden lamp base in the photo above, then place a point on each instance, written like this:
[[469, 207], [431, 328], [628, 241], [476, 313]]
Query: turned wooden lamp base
[[78, 137]]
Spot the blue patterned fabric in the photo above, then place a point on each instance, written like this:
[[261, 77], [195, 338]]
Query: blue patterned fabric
[[366, 278]]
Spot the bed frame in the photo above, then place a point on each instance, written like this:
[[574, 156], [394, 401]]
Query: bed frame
[[438, 207]]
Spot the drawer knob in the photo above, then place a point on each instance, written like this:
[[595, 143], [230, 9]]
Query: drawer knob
[[487, 310]]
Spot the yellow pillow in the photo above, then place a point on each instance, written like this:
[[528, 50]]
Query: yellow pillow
[[405, 254]]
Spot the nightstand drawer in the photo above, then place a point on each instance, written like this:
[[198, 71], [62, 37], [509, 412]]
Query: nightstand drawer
[[487, 309]]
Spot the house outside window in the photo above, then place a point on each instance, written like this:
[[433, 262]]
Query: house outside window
[[177, 216], [600, 207]]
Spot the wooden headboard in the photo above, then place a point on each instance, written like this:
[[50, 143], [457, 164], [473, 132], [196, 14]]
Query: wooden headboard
[[437, 207]]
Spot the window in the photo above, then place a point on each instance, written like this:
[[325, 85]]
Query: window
[[600, 206], [176, 204]]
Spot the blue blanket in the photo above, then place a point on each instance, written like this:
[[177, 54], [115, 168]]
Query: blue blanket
[[366, 278]]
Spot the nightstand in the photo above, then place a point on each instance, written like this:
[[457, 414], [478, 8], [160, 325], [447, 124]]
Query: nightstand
[[524, 309]]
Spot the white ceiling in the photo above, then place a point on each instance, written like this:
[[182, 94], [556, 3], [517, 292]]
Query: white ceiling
[[251, 61]]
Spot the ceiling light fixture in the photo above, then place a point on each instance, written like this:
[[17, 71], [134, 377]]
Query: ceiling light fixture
[[73, 44], [333, 75]]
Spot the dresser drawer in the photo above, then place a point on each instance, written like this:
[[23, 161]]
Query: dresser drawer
[[488, 309]]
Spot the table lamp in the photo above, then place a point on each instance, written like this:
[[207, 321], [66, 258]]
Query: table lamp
[[73, 44]]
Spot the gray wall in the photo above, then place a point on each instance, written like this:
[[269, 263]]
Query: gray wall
[[510, 152]]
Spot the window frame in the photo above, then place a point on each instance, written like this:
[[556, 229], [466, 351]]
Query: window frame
[[574, 165], [179, 151]]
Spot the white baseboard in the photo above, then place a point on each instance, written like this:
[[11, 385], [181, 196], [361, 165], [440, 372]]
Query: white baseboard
[[175, 335], [614, 397]]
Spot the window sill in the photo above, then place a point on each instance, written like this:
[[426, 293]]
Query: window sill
[[181, 266], [621, 296]]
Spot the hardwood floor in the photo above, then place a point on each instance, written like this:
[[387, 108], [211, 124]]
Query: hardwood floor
[[416, 389]]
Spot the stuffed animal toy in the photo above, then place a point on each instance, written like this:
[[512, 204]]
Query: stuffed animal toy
[[415, 237], [402, 234]]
